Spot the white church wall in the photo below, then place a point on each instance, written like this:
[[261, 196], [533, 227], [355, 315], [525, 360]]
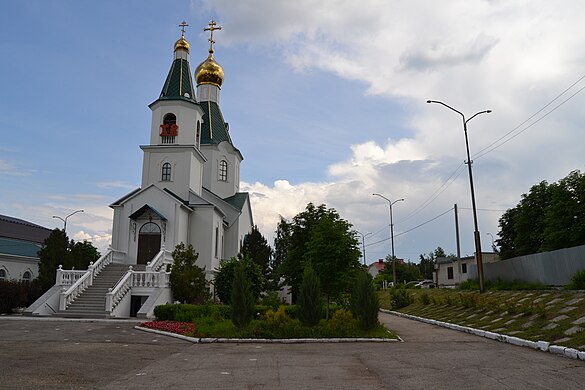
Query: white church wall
[[185, 168], [214, 154]]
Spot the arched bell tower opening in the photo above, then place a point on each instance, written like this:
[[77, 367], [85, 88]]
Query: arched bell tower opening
[[149, 242]]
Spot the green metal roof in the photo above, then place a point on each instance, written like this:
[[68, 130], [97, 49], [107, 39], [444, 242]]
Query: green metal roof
[[178, 82], [214, 129], [9, 246], [237, 200]]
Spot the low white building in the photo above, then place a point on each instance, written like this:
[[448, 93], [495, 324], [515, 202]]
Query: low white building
[[450, 272], [20, 242]]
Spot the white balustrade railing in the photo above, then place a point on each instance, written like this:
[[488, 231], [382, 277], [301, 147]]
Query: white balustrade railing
[[119, 291], [68, 277], [162, 257], [85, 280], [131, 278]]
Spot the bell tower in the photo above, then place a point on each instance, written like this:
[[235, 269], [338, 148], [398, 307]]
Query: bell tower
[[173, 159]]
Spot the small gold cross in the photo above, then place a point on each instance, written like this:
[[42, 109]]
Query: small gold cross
[[212, 27], [183, 25]]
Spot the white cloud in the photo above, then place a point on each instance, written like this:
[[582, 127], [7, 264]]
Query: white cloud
[[512, 58]]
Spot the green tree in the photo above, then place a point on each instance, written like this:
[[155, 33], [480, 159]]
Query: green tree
[[364, 303], [58, 250], [565, 217], [282, 242], [548, 217], [256, 248], [242, 300], [187, 279], [320, 237], [333, 251], [427, 263], [405, 271], [224, 278], [309, 303]]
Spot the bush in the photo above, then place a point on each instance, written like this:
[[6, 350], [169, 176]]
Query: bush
[[242, 299], [425, 299], [309, 303], [364, 301], [14, 294], [499, 284], [400, 298], [277, 318], [577, 281], [187, 279], [271, 299]]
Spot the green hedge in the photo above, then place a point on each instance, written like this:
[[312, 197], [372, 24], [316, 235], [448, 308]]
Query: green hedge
[[15, 294], [189, 313]]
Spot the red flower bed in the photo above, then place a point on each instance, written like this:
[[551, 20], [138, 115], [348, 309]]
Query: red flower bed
[[184, 328]]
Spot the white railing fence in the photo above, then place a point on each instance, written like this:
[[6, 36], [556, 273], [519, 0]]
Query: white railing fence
[[83, 281], [148, 279], [162, 258]]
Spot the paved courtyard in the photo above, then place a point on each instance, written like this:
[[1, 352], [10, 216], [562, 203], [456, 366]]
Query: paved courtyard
[[112, 355]]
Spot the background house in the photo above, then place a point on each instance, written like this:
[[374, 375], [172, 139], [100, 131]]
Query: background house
[[20, 242], [450, 272], [375, 268]]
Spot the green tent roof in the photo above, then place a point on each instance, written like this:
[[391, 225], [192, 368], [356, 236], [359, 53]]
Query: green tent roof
[[178, 83], [214, 129]]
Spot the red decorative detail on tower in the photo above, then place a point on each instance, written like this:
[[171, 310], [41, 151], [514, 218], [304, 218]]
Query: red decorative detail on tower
[[169, 130]]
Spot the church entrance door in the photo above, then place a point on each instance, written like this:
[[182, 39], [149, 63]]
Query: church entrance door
[[148, 242]]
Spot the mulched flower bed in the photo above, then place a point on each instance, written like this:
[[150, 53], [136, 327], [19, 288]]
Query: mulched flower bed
[[184, 328]]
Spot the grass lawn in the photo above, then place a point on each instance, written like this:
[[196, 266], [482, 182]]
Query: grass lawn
[[548, 315]]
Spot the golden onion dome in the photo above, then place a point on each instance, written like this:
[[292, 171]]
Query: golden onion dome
[[182, 44], [209, 72]]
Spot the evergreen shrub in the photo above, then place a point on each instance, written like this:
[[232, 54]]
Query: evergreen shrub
[[309, 310], [577, 281], [364, 303], [242, 299]]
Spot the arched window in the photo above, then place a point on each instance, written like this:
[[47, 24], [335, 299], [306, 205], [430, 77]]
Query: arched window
[[168, 130], [2, 274], [26, 277], [150, 228], [223, 170], [166, 172], [170, 119]]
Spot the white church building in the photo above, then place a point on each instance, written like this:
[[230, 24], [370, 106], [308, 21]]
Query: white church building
[[190, 193]]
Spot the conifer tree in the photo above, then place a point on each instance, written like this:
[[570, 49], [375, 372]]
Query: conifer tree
[[364, 303], [242, 299], [309, 303]]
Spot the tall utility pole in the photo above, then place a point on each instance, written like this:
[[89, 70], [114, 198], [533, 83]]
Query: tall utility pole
[[469, 162], [390, 203]]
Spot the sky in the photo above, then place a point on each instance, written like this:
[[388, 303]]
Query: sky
[[326, 100]]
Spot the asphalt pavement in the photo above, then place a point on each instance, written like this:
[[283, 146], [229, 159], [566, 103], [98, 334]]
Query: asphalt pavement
[[65, 354]]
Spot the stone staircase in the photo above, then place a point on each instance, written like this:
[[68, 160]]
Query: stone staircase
[[92, 302]]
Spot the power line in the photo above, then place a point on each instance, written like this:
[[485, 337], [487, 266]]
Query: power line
[[411, 229], [502, 140], [437, 192]]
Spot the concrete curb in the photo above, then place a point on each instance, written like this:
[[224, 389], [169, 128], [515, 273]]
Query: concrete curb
[[208, 340], [539, 345]]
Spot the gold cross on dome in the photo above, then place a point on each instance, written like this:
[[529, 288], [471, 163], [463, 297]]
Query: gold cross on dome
[[183, 25], [212, 27]]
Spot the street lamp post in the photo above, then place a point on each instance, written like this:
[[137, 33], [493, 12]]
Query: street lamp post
[[493, 241], [65, 219], [469, 162], [363, 244], [390, 203]]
